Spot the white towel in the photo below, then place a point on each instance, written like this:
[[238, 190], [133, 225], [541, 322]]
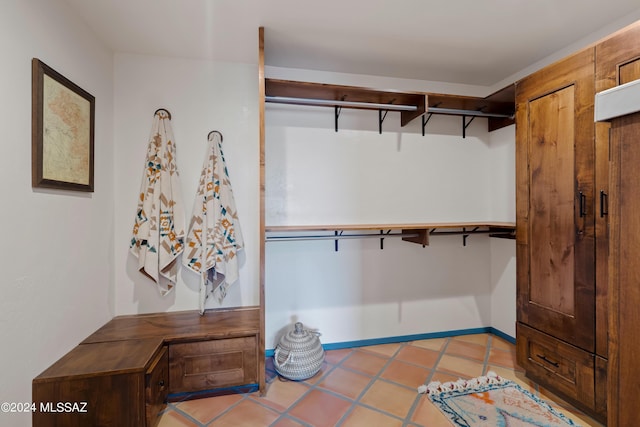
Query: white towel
[[158, 231], [214, 238]]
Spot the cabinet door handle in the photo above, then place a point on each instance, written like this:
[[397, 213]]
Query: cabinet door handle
[[604, 204], [161, 383], [583, 204], [549, 361]]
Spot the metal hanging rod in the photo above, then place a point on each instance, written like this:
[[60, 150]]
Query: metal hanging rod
[[337, 237], [339, 103], [475, 113]]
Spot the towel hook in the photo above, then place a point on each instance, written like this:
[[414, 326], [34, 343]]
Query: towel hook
[[215, 131], [163, 109]]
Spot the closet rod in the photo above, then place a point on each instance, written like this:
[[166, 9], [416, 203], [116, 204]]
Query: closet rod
[[338, 103], [337, 237], [475, 113]]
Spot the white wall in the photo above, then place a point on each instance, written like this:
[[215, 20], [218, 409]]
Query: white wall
[[202, 96], [357, 176], [503, 208], [57, 250]]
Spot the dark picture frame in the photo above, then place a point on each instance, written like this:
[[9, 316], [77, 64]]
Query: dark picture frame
[[63, 118]]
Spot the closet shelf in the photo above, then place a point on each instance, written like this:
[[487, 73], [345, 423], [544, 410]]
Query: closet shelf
[[411, 232], [499, 107]]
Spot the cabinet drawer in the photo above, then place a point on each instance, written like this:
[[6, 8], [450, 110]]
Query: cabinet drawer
[[205, 365], [157, 386], [557, 365]]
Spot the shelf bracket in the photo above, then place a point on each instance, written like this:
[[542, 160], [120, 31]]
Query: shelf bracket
[[466, 124], [381, 118], [382, 233], [336, 233], [425, 121], [338, 110], [464, 236]]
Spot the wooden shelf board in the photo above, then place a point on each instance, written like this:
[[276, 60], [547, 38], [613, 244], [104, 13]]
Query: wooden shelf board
[[501, 102], [295, 89], [322, 91], [406, 226]]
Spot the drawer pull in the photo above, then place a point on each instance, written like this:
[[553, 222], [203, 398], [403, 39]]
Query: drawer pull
[[604, 204], [551, 362], [161, 383]]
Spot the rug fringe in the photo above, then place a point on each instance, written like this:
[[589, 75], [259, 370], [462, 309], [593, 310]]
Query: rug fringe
[[438, 387]]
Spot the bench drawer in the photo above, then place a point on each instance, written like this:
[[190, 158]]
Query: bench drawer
[[210, 364]]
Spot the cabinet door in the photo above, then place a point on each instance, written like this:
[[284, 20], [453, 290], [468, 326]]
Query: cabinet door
[[555, 200], [624, 336], [617, 63]]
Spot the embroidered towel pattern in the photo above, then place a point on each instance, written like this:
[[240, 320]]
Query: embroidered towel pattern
[[214, 238], [158, 231]]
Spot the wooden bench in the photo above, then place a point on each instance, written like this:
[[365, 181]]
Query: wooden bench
[[122, 374]]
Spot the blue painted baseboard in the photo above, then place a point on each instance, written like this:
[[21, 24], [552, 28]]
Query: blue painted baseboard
[[415, 337]]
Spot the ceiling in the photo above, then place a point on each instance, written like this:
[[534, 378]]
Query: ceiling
[[458, 41]]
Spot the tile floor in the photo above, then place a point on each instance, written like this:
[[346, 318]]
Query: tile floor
[[365, 386]]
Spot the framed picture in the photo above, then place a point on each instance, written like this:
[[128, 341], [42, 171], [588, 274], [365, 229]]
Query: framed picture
[[63, 116]]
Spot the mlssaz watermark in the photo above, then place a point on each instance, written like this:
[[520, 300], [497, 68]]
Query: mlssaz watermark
[[49, 407]]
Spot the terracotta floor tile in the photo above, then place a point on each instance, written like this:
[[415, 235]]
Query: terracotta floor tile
[[331, 396], [480, 339], [317, 377], [503, 358], [246, 414], [466, 349], [336, 356], [284, 422], [387, 350], [173, 419], [347, 383], [515, 376], [465, 368], [497, 342], [390, 398], [427, 414], [418, 356], [281, 395], [434, 344], [365, 417], [405, 374], [320, 409], [364, 362], [204, 410], [443, 377]]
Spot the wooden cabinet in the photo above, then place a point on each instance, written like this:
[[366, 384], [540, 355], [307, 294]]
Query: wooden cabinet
[[618, 63], [555, 227], [126, 370], [104, 384]]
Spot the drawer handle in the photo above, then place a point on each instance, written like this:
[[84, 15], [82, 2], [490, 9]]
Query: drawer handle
[[161, 383], [551, 362]]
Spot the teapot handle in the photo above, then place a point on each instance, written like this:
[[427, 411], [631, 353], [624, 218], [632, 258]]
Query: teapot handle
[[275, 359]]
